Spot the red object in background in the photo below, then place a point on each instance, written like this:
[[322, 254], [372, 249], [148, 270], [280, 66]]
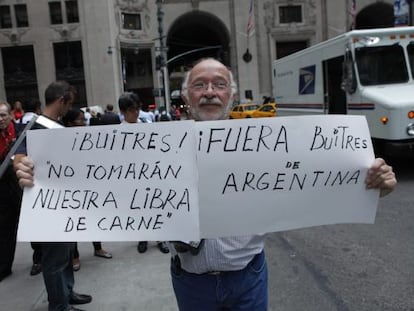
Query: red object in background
[[18, 115], [6, 138]]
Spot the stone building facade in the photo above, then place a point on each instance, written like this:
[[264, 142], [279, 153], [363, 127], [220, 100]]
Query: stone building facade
[[104, 47]]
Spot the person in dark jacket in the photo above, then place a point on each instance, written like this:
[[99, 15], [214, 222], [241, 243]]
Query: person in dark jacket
[[10, 194], [110, 117], [56, 256]]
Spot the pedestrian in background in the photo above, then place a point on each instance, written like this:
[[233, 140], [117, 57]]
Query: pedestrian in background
[[129, 105], [10, 194], [56, 256], [18, 111], [145, 115], [32, 108], [163, 115], [88, 115], [175, 113], [109, 117]]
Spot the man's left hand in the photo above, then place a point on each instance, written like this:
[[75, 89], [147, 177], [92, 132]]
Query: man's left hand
[[381, 176]]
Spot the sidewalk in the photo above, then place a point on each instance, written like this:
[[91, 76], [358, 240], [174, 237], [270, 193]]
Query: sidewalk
[[128, 281]]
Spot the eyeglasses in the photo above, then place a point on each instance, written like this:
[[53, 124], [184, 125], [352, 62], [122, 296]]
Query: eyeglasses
[[203, 86]]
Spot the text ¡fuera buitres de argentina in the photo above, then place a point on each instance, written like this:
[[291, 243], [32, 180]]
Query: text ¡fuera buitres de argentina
[[252, 138]]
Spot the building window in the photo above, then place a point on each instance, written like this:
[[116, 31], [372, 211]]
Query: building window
[[5, 17], [286, 48], [290, 14], [55, 11], [21, 15], [69, 67], [131, 21], [19, 69], [72, 11]]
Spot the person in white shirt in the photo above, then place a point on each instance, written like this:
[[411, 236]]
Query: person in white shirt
[[145, 115], [88, 115], [32, 108], [129, 105], [229, 273]]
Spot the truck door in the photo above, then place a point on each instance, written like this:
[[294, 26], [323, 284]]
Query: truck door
[[335, 97]]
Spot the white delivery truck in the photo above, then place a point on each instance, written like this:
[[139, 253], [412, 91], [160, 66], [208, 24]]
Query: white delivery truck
[[362, 72]]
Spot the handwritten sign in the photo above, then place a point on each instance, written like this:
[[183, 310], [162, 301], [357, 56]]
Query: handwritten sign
[[186, 180], [112, 183], [274, 174]]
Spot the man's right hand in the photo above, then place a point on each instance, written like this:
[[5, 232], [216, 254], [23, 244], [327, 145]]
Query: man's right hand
[[24, 168]]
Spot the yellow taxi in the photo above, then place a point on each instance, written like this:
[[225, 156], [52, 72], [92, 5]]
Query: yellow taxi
[[243, 111], [265, 110]]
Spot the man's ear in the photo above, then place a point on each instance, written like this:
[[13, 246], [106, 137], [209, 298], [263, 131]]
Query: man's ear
[[184, 97], [233, 97]]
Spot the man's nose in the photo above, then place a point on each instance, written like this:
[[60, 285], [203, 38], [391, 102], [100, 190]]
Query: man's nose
[[209, 90]]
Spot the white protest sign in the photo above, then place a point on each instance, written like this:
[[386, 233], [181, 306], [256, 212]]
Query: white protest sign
[[126, 182], [273, 174], [143, 182]]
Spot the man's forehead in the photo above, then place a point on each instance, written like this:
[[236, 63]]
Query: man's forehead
[[209, 67], [4, 108]]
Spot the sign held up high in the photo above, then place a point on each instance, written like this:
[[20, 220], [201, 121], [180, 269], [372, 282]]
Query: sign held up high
[[190, 180]]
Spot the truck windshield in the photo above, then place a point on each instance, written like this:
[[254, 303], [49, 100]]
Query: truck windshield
[[381, 65], [410, 50]]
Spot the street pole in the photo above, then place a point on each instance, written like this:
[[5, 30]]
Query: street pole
[[166, 88], [162, 56]]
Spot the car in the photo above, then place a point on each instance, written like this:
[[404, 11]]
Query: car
[[265, 110], [243, 111]]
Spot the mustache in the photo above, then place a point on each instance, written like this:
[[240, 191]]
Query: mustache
[[213, 100]]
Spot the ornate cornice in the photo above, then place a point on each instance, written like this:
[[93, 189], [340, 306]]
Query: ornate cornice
[[14, 35], [65, 31], [132, 6]]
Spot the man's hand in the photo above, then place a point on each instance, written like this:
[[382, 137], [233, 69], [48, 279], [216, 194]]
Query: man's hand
[[381, 176], [24, 166]]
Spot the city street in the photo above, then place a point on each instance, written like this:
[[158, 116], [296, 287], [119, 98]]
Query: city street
[[208, 61], [349, 267], [339, 267]]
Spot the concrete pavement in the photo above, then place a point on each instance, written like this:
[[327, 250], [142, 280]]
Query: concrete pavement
[[348, 267], [128, 281]]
